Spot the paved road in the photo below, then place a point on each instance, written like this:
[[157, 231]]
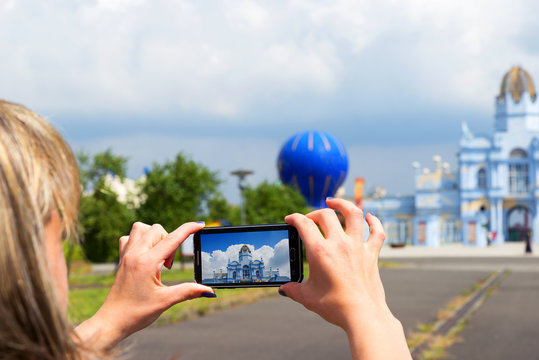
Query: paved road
[[514, 264], [278, 328], [505, 326]]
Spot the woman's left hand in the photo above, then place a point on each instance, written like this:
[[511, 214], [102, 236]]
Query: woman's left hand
[[138, 296]]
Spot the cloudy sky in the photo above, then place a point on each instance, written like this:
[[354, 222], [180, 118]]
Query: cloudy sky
[[227, 82]]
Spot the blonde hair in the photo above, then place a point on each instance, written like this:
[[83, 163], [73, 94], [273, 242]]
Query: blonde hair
[[38, 174]]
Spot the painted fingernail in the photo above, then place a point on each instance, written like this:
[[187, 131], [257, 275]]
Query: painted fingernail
[[208, 294], [170, 266], [282, 293], [201, 222], [329, 198]]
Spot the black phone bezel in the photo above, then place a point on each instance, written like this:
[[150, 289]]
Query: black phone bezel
[[294, 241]]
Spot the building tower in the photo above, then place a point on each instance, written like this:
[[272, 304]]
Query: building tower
[[498, 192]]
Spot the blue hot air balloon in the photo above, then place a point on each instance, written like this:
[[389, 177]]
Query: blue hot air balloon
[[315, 163]]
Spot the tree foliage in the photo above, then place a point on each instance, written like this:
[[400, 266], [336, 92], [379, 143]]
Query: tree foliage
[[102, 218], [219, 209], [270, 203], [177, 192], [94, 168]]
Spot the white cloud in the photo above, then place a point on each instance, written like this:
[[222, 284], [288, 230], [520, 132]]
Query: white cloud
[[226, 59], [281, 258]]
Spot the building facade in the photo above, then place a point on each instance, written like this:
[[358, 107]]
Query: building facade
[[245, 269], [493, 197]]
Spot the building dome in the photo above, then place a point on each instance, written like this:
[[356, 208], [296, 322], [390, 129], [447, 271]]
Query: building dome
[[516, 82], [245, 249]]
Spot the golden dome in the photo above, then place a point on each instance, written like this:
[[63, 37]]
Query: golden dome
[[515, 82], [245, 248]]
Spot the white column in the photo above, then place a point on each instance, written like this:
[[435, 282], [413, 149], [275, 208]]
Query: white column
[[493, 217], [500, 238], [535, 229]]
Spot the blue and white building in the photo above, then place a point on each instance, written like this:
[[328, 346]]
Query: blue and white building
[[492, 197], [245, 269]]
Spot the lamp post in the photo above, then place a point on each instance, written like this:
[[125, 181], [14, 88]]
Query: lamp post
[[242, 174]]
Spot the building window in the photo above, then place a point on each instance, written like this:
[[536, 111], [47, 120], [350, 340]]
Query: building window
[[472, 232], [518, 178], [245, 272], [421, 232], [482, 179], [403, 231], [518, 154], [449, 231]]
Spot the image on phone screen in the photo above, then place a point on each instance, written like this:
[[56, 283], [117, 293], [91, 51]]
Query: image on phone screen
[[245, 257]]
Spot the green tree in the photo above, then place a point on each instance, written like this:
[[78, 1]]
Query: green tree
[[177, 192], [103, 218], [219, 209], [270, 203], [93, 169]]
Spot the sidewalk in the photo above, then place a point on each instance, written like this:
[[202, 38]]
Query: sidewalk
[[457, 250]]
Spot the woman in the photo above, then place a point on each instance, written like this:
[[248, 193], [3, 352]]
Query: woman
[[39, 194]]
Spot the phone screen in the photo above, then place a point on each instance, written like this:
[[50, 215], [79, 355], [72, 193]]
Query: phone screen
[[243, 258]]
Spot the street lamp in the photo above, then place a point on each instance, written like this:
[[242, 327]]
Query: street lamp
[[242, 174]]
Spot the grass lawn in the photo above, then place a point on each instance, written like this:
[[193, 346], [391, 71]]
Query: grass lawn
[[88, 292]]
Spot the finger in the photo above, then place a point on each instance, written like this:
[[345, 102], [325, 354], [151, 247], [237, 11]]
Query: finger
[[137, 232], [328, 222], [353, 216], [155, 234], [163, 249], [123, 244], [170, 260], [188, 291], [376, 230], [293, 290], [307, 229]]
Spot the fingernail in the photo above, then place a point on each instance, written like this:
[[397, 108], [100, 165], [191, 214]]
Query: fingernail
[[201, 222], [329, 198], [208, 294], [282, 293], [172, 262]]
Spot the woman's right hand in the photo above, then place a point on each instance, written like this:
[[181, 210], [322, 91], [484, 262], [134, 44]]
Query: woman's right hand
[[344, 285]]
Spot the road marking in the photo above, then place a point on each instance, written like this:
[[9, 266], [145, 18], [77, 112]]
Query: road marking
[[444, 327]]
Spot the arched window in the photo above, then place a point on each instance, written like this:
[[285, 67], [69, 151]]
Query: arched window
[[518, 172], [482, 179], [518, 154], [246, 272]]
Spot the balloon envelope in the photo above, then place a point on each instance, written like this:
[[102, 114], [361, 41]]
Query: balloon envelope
[[315, 163]]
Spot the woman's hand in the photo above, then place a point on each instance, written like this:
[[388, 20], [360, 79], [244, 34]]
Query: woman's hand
[[138, 296], [344, 285]]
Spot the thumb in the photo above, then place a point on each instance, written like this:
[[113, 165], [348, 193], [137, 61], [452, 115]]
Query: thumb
[[188, 291], [293, 290]]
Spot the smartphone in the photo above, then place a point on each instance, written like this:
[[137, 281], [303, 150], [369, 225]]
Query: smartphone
[[247, 256]]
